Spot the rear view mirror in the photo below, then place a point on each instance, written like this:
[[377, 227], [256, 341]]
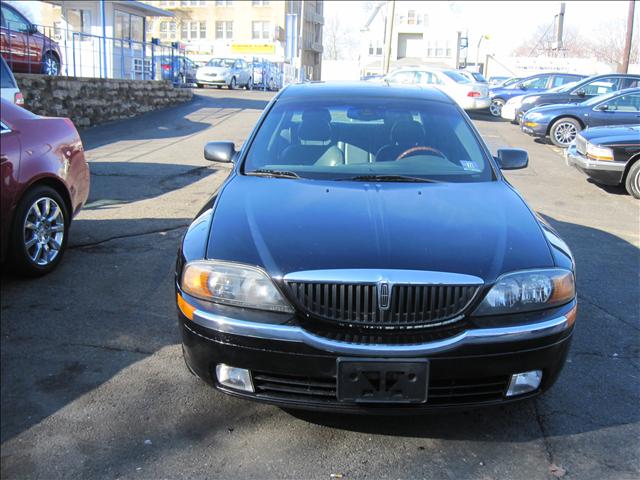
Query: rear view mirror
[[220, 151], [512, 158], [580, 92]]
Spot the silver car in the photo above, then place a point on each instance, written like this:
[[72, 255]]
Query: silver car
[[8, 85], [469, 95], [229, 72]]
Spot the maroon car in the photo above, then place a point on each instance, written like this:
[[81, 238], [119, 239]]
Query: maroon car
[[45, 182], [25, 49]]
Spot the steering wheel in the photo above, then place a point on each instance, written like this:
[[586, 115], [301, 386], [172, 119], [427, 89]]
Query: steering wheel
[[413, 150]]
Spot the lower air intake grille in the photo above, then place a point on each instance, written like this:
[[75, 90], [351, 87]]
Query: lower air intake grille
[[441, 392]]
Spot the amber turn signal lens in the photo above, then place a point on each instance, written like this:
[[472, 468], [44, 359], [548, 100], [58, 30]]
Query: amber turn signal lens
[[564, 288], [571, 316], [195, 282], [186, 309]]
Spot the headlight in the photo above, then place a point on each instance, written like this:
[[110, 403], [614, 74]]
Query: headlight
[[531, 99], [533, 116], [232, 284], [595, 152], [528, 290]]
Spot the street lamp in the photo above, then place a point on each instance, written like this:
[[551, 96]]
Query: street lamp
[[482, 37]]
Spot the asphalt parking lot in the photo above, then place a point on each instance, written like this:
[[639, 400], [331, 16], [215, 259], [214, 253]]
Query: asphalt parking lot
[[94, 386]]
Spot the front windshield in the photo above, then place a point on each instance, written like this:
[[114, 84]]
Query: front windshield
[[562, 88], [341, 138], [510, 81], [221, 62]]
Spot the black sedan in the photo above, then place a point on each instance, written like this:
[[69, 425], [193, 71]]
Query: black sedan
[[562, 123], [609, 155], [583, 90], [367, 254]]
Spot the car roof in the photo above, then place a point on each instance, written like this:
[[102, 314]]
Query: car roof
[[361, 89]]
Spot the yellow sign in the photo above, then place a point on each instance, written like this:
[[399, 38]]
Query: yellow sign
[[253, 48]]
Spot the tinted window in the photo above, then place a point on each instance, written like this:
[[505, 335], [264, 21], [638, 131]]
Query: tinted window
[[600, 86], [13, 20], [537, 82], [629, 82], [340, 138], [456, 77], [221, 62], [402, 77], [425, 78], [6, 81], [560, 80], [624, 103]]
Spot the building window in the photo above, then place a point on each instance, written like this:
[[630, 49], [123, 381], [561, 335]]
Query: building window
[[447, 47], [224, 3], [411, 17], [128, 26], [79, 20], [375, 49], [193, 30], [260, 3], [168, 4], [167, 30], [261, 31], [224, 30]]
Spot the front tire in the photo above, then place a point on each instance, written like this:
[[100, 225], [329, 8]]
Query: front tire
[[232, 83], [564, 131], [50, 65], [495, 109], [632, 180], [249, 85], [39, 232]]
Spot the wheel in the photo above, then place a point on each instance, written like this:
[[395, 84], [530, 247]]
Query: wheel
[[50, 64], [232, 84], [39, 233], [249, 85], [564, 131], [632, 180], [495, 108]]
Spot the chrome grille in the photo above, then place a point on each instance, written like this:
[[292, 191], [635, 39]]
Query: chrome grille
[[357, 304], [581, 145]]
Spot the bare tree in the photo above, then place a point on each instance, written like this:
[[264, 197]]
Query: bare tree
[[339, 38]]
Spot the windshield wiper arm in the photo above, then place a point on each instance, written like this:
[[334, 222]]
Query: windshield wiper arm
[[389, 178], [266, 172]]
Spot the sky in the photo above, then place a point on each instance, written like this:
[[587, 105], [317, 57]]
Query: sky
[[512, 22]]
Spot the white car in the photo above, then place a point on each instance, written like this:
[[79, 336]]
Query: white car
[[510, 108], [229, 72], [8, 86], [469, 95]]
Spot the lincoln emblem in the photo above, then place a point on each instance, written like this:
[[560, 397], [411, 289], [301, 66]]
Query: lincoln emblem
[[384, 295]]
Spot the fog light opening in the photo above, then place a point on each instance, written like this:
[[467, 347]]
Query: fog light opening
[[525, 382], [236, 378]]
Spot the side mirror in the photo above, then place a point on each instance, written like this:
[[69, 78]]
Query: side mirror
[[522, 86], [580, 92], [31, 29], [603, 108], [512, 158], [220, 151]]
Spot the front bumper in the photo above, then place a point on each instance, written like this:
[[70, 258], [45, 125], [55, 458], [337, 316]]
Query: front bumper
[[471, 103], [508, 112], [469, 369], [538, 130], [604, 172], [211, 80]]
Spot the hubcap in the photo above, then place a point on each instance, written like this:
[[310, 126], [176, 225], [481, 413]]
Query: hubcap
[[565, 133], [43, 231], [495, 108], [50, 66]]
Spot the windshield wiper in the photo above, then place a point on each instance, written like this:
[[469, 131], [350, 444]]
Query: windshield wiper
[[388, 178], [265, 172]]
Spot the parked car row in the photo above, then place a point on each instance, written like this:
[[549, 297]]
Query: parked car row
[[597, 118]]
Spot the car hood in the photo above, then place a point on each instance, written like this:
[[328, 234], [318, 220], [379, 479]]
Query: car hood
[[613, 135], [558, 108], [482, 229]]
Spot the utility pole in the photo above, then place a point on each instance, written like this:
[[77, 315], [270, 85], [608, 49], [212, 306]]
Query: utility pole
[[301, 72], [391, 13], [624, 68], [559, 21]]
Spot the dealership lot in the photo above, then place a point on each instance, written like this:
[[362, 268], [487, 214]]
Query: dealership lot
[[93, 383]]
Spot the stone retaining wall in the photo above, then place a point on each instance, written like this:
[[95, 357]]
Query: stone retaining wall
[[92, 101]]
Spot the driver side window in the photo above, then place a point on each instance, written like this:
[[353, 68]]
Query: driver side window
[[539, 82], [600, 86], [402, 77], [13, 20], [624, 103]]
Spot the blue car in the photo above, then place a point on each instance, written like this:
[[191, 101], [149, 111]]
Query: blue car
[[178, 69], [535, 83], [562, 123]]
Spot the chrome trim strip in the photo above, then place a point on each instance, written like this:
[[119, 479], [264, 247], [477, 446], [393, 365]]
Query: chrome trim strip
[[392, 276], [296, 334]]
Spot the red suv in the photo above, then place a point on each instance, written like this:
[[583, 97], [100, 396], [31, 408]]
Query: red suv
[[25, 49]]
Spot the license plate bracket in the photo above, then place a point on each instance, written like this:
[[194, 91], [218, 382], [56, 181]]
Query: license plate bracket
[[375, 380]]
